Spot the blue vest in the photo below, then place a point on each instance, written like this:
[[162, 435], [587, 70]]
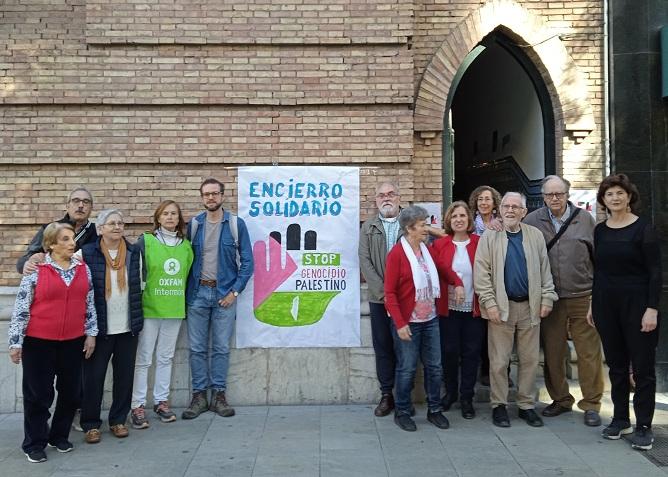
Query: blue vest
[[94, 258]]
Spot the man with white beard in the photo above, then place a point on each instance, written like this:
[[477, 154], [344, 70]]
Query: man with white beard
[[377, 237], [513, 281]]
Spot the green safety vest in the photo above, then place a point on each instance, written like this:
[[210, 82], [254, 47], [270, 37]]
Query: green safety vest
[[166, 277]]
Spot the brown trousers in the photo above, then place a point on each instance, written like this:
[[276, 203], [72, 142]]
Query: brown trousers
[[500, 339], [569, 314]]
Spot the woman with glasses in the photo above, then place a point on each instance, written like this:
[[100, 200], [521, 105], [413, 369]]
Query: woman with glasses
[[115, 267], [167, 257]]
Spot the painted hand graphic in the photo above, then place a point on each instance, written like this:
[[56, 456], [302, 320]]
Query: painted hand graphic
[[285, 308]]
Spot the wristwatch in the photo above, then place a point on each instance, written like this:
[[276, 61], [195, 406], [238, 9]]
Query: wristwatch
[[235, 293]]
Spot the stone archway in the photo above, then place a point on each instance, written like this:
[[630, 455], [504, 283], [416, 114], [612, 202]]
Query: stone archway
[[565, 82]]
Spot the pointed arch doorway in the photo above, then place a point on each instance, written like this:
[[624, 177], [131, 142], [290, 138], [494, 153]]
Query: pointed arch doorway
[[499, 123]]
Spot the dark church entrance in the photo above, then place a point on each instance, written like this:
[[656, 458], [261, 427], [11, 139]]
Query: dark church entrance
[[500, 123]]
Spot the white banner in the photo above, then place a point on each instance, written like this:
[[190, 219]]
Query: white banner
[[304, 227]]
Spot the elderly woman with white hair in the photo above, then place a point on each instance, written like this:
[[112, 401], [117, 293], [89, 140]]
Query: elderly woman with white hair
[[411, 288], [115, 267], [53, 321]]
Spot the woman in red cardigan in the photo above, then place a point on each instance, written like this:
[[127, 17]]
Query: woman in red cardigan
[[411, 287], [461, 328]]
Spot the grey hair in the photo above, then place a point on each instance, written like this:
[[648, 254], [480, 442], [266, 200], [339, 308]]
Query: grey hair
[[411, 215], [390, 183], [547, 179], [522, 197], [80, 189], [104, 215]]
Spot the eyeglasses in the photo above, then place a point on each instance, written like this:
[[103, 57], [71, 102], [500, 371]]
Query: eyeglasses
[[78, 201], [113, 225], [389, 195], [554, 195], [206, 195], [512, 207]]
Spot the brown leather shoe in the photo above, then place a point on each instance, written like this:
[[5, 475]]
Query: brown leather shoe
[[385, 406], [119, 430], [92, 436], [555, 409]]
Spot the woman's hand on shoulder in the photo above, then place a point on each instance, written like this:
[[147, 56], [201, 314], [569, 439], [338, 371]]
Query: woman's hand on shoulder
[[495, 224], [436, 232]]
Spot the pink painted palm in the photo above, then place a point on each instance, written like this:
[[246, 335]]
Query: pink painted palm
[[267, 280]]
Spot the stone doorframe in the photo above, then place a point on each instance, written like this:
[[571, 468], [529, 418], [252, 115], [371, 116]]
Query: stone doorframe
[[566, 84]]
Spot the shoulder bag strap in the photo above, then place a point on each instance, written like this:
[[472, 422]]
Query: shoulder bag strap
[[555, 239]]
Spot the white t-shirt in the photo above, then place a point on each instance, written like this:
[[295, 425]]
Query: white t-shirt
[[461, 265]]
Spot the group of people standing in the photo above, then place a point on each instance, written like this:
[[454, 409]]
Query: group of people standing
[[495, 279], [86, 287], [498, 278]]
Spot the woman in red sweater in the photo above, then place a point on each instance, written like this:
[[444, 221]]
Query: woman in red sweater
[[411, 287], [461, 328], [54, 319]]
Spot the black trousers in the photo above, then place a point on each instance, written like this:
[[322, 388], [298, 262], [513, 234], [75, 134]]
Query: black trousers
[[43, 361], [121, 350], [461, 340], [383, 346], [618, 315]]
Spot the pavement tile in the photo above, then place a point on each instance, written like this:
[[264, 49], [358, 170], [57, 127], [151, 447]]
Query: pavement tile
[[332, 441]]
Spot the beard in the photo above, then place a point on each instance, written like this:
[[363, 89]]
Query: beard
[[389, 210], [214, 207]]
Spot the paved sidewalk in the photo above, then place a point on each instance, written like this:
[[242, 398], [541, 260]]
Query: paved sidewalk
[[338, 441]]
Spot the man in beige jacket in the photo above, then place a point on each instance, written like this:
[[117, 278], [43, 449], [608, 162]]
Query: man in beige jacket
[[513, 281]]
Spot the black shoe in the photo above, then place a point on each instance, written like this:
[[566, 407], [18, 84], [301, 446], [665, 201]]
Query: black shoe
[[500, 416], [385, 406], [468, 412], [592, 418], [530, 416], [412, 410], [555, 409], [36, 456], [438, 419], [642, 438], [447, 401], [63, 446], [405, 422], [617, 429]]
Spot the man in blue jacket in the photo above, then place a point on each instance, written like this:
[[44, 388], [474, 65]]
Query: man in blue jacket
[[223, 265]]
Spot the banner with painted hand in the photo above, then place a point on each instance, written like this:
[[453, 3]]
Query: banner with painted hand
[[304, 226]]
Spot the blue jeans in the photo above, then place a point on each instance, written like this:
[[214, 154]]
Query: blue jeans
[[203, 315], [426, 344]]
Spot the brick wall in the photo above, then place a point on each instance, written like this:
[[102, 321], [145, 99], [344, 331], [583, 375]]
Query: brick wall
[[141, 100]]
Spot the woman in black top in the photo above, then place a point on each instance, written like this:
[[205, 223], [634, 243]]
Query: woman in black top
[[625, 301]]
